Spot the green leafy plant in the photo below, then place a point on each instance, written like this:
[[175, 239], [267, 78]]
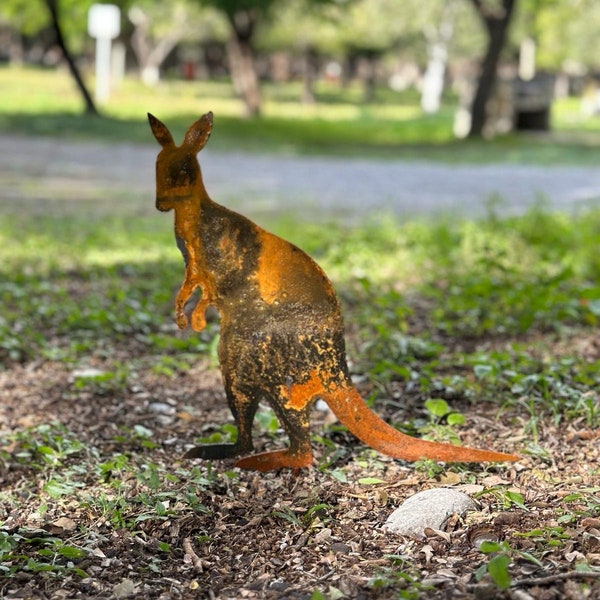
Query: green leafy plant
[[45, 445], [401, 578], [104, 383], [224, 434], [287, 514], [39, 554], [507, 498], [442, 426], [498, 566], [549, 536], [137, 435]]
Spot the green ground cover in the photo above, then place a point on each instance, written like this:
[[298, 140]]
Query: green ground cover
[[69, 283]]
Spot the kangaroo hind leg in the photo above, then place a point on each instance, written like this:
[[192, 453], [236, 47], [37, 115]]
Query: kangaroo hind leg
[[243, 407], [296, 422]]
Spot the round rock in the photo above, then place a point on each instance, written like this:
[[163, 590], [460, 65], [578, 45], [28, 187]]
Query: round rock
[[428, 509]]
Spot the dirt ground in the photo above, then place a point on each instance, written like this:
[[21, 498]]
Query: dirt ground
[[282, 535]]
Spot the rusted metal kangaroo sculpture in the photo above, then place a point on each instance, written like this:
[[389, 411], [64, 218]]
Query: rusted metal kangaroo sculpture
[[282, 335]]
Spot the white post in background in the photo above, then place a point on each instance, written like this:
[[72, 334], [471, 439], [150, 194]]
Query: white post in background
[[104, 24], [527, 59], [117, 62]]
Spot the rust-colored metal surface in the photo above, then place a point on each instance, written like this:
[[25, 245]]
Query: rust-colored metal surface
[[282, 334]]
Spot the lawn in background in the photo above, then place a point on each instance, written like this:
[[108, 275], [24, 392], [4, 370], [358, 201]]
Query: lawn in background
[[45, 102]]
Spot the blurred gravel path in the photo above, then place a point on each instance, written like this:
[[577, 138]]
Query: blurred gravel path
[[38, 169]]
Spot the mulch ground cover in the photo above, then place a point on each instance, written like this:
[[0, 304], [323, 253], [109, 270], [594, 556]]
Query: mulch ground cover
[[97, 502]]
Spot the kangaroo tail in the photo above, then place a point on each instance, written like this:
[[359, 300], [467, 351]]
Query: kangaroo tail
[[351, 410]]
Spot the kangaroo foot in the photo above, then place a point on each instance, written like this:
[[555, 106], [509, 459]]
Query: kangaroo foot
[[270, 461], [215, 451]]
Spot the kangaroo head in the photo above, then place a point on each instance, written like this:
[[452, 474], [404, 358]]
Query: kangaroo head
[[177, 170]]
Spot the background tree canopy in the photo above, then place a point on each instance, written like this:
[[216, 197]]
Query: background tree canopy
[[456, 44]]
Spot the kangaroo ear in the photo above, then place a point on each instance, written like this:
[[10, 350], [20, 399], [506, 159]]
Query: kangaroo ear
[[198, 133], [161, 133]]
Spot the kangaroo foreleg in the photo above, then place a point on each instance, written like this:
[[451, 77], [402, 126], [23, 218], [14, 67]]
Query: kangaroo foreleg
[[198, 318], [185, 292]]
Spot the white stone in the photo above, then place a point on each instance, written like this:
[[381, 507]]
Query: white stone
[[428, 509]]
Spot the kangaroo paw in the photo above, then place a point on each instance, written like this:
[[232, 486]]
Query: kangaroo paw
[[214, 451], [198, 317], [184, 294], [270, 461], [181, 319]]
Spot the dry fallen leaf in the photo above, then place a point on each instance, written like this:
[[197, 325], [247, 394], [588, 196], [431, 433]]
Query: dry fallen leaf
[[125, 589], [61, 525]]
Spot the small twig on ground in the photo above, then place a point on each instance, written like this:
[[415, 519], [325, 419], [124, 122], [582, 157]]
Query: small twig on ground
[[550, 579], [194, 558]]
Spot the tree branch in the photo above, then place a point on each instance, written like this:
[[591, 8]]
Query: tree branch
[[90, 107]]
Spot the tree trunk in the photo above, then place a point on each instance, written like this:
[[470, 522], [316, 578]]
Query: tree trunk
[[150, 56], [369, 78], [496, 23], [368, 72], [16, 51], [241, 60], [309, 74], [438, 38], [90, 107]]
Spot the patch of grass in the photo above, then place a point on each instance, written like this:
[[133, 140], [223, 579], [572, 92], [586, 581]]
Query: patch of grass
[[70, 283], [515, 284], [46, 445], [68, 477], [44, 102], [493, 278], [511, 275]]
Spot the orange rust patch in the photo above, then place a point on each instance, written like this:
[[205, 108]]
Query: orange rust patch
[[232, 251], [273, 260], [187, 220], [299, 394], [270, 461], [226, 246], [285, 273]]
